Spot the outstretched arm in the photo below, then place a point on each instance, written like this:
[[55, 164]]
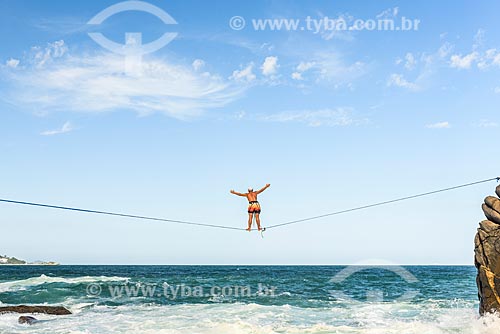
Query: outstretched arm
[[237, 193], [264, 188]]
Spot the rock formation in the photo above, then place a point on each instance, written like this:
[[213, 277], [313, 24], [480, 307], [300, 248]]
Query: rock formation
[[26, 320], [487, 256], [54, 310]]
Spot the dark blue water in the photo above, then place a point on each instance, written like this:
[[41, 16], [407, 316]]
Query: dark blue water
[[247, 299], [304, 286]]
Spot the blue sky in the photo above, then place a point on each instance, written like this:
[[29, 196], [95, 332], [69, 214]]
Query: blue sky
[[331, 119]]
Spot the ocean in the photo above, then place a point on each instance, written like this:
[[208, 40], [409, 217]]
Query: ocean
[[246, 299]]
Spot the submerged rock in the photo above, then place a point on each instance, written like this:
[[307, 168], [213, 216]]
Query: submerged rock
[[487, 256], [27, 320], [54, 310]]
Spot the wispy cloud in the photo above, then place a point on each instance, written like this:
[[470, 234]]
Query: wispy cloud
[[66, 25], [481, 57], [328, 68], [296, 76], [421, 66], [320, 117], [445, 49], [410, 61], [53, 79], [12, 63], [244, 74], [333, 69], [399, 81], [439, 125], [463, 62], [198, 64], [484, 123], [427, 64], [479, 39], [347, 20], [338, 34], [388, 13], [301, 68], [67, 127]]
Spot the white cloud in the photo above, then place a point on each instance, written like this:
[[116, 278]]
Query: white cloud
[[246, 74], [388, 13], [425, 64], [270, 66], [321, 117], [301, 68], [340, 25], [463, 62], [332, 68], [496, 59], [304, 66], [410, 61], [497, 90], [439, 125], [67, 127], [297, 76], [491, 57], [399, 81], [484, 123], [478, 57], [479, 39], [267, 46], [43, 56], [240, 114], [12, 63], [198, 64], [428, 64], [445, 50], [322, 68], [58, 81]]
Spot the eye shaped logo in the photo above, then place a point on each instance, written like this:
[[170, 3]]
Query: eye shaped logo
[[374, 295], [133, 49]]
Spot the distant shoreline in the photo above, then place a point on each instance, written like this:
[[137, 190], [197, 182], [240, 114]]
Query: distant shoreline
[[243, 265], [30, 264], [13, 261]]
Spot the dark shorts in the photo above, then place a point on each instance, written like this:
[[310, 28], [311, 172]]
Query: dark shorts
[[254, 207]]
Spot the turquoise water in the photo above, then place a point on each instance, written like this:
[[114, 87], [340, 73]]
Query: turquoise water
[[247, 299]]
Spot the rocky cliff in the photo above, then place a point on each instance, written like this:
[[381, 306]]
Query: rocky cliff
[[487, 256]]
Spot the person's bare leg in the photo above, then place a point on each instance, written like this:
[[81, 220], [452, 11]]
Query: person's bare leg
[[257, 219], [250, 220]]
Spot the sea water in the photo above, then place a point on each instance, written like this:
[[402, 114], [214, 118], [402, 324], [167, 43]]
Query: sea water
[[246, 299]]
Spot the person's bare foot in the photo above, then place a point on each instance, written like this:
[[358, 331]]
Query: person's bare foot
[[260, 228], [249, 229]]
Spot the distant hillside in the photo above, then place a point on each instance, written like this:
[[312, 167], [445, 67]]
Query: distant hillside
[[12, 260]]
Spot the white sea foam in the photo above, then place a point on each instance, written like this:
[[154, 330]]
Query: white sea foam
[[43, 279], [253, 318]]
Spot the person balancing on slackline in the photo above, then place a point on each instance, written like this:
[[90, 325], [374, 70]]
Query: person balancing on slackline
[[253, 205]]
